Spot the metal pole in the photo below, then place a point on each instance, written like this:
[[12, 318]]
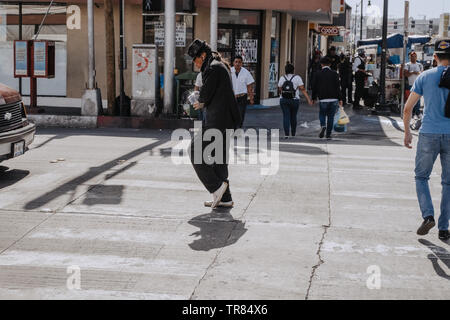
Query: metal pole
[[91, 80], [214, 22], [20, 38], [405, 41], [361, 31], [384, 54], [169, 55], [123, 112]]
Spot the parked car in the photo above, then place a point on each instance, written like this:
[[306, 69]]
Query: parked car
[[16, 132]]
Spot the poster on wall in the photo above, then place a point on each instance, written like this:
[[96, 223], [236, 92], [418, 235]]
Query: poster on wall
[[145, 60], [180, 34], [273, 78], [248, 49], [40, 56]]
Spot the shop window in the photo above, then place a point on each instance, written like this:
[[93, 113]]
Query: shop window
[[157, 6], [154, 34], [54, 28], [274, 55]]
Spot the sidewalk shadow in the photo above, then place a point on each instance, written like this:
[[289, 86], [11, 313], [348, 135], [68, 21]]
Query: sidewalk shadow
[[439, 253], [10, 177], [218, 229]]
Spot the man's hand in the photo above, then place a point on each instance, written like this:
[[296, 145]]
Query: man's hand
[[408, 139], [198, 105], [310, 102], [252, 100], [341, 103]]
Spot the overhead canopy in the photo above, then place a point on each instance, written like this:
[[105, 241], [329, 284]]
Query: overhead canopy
[[395, 41]]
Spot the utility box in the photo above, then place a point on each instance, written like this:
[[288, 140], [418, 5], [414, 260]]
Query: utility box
[[43, 59], [145, 81]]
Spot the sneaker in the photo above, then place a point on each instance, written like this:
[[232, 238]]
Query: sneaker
[[218, 194], [226, 204], [427, 224], [322, 132], [444, 235]]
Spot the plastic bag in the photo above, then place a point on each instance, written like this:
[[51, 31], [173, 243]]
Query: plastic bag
[[339, 127], [343, 117]]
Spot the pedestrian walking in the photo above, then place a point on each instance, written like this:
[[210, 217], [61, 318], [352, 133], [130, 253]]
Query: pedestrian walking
[[326, 88], [346, 76], [217, 97], [360, 82], [314, 66], [334, 58], [289, 87], [412, 71], [242, 85], [434, 139]]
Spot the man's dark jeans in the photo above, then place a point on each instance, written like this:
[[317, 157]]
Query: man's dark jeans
[[290, 109], [211, 175], [326, 115], [242, 104]]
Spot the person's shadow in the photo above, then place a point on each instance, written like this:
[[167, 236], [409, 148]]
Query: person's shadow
[[439, 253], [218, 229]]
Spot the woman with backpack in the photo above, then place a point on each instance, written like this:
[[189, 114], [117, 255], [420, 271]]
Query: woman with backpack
[[289, 88]]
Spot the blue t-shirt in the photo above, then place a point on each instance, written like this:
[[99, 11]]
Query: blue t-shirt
[[427, 85]]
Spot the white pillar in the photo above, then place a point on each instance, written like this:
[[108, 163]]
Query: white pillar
[[91, 80], [214, 22], [169, 55]]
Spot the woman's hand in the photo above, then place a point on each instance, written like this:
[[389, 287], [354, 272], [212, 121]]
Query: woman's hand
[[198, 105]]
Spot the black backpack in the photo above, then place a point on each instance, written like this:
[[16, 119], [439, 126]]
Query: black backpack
[[288, 90]]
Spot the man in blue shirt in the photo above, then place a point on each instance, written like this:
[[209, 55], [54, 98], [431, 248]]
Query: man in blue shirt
[[434, 140]]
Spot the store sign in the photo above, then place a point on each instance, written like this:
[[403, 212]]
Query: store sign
[[248, 49], [338, 6], [329, 30], [180, 34]]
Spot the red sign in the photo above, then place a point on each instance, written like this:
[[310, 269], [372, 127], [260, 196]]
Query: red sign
[[329, 30]]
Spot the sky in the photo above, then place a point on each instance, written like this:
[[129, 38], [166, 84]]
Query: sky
[[417, 8]]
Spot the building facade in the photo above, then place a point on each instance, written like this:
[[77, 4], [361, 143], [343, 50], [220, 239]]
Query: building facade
[[266, 33]]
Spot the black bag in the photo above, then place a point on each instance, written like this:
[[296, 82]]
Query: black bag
[[288, 90], [445, 83]]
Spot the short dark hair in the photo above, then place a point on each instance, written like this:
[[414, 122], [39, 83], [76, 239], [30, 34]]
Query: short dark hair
[[443, 56], [289, 68], [238, 57], [326, 61]]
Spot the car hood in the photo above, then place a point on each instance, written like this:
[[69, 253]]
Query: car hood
[[8, 95]]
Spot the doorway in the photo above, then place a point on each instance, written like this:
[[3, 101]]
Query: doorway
[[245, 41]]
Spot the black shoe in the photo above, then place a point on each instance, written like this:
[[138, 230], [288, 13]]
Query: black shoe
[[427, 224], [329, 138], [444, 235], [322, 132]]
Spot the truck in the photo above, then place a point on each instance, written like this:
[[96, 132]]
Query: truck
[[16, 131]]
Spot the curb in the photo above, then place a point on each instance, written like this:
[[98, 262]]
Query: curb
[[94, 122]]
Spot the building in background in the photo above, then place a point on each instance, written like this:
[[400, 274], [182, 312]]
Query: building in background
[[266, 33]]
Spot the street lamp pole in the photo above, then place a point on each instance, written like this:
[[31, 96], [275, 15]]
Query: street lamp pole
[[361, 29], [383, 55]]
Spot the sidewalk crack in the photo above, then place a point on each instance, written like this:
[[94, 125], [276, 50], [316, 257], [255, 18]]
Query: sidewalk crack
[[325, 230]]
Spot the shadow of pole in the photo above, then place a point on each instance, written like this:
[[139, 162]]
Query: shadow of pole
[[92, 173]]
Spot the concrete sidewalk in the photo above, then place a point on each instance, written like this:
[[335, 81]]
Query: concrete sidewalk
[[134, 224]]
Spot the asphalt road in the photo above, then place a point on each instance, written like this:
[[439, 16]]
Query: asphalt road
[[115, 218]]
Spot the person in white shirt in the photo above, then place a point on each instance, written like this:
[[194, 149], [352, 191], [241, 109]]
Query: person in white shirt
[[289, 88], [360, 59], [412, 71], [242, 85]]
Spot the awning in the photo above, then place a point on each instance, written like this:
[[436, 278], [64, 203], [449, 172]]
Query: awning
[[395, 41]]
